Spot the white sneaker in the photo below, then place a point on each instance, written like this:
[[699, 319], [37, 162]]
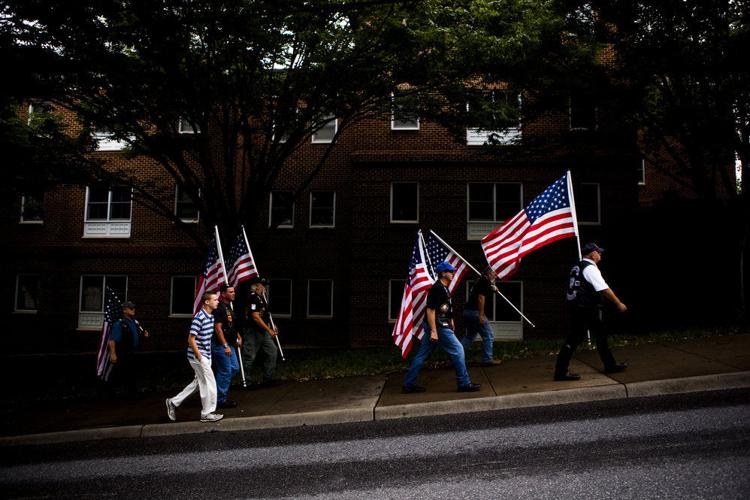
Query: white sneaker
[[212, 417], [171, 410]]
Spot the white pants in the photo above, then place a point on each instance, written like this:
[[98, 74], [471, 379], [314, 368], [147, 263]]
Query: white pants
[[204, 382]]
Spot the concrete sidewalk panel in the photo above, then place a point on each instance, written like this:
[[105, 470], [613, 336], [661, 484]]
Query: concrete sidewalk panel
[[732, 350], [719, 381], [656, 362], [440, 384], [535, 375], [129, 431]]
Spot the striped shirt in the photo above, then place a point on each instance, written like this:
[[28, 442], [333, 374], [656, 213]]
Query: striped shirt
[[202, 329]]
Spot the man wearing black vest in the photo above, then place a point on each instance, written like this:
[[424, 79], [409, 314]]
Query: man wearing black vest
[[124, 341], [585, 292]]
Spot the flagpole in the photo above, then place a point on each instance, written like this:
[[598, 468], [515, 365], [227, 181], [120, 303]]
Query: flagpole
[[426, 255], [478, 273], [270, 315], [575, 228]]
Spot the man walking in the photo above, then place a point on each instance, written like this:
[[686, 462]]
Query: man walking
[[199, 357], [225, 362], [475, 318], [585, 292], [439, 330], [123, 343], [258, 334]]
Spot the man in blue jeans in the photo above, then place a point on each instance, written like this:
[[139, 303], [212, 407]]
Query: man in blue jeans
[[475, 318], [439, 331], [225, 363]]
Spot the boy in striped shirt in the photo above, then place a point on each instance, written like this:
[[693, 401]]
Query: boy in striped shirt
[[199, 357]]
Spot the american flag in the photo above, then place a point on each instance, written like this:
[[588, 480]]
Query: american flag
[[549, 217], [212, 277], [439, 252], [112, 312], [241, 263], [413, 300]]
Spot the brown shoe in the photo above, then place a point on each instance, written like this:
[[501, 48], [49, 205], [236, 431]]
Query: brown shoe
[[493, 362]]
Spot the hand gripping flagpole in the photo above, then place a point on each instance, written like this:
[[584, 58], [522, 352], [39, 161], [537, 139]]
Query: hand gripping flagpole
[[478, 273], [270, 315], [231, 306]]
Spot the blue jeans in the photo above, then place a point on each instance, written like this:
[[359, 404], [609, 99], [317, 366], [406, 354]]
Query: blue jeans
[[474, 328], [225, 367], [450, 344]]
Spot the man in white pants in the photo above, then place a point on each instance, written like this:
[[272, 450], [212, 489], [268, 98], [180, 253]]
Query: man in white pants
[[199, 357]]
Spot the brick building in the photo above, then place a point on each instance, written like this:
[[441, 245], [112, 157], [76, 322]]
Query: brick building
[[338, 259]]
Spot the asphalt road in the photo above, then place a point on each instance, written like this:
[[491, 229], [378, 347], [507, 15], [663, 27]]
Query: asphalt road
[[689, 446]]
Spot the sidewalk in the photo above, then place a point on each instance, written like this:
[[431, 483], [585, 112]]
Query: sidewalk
[[711, 363]]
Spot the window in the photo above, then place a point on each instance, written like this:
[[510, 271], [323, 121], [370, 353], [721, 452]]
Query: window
[[280, 297], [27, 293], [488, 205], [281, 209], [108, 210], [506, 323], [404, 202], [185, 127], [91, 310], [32, 205], [404, 112], [39, 108], [587, 204], [642, 172], [499, 113], [326, 133], [182, 294], [322, 209], [105, 141], [582, 113], [395, 294], [184, 206], [320, 298]]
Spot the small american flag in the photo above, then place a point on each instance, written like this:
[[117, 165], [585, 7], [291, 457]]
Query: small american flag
[[438, 252], [241, 262], [212, 277], [548, 218], [413, 300], [112, 312]]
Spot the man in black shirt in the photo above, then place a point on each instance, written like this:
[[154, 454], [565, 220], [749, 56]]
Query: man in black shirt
[[439, 330], [258, 334], [475, 318], [225, 362]]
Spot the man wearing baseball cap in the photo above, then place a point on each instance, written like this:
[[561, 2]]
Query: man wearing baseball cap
[[586, 290], [439, 330]]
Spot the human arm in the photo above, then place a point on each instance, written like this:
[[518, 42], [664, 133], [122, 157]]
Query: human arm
[[219, 330], [258, 318], [430, 313], [112, 351], [480, 306], [194, 346], [610, 295]]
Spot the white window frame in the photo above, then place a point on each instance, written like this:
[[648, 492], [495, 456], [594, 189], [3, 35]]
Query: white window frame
[[390, 296], [291, 297], [319, 316], [108, 228], [93, 320], [21, 220], [335, 131], [173, 314], [403, 221], [507, 137], [394, 97], [105, 141], [16, 309], [333, 218], [270, 212], [176, 200], [32, 111], [478, 229], [186, 128], [502, 330], [642, 176], [598, 221]]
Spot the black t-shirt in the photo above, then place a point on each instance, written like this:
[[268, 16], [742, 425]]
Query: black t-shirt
[[439, 299], [224, 315], [481, 287], [256, 303]]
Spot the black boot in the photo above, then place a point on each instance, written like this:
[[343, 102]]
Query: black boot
[[562, 363]]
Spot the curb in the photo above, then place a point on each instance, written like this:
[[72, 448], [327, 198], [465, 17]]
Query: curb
[[716, 382]]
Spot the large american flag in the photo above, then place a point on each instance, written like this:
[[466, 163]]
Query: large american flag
[[112, 313], [413, 301], [438, 252], [549, 217], [241, 262], [212, 277]]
